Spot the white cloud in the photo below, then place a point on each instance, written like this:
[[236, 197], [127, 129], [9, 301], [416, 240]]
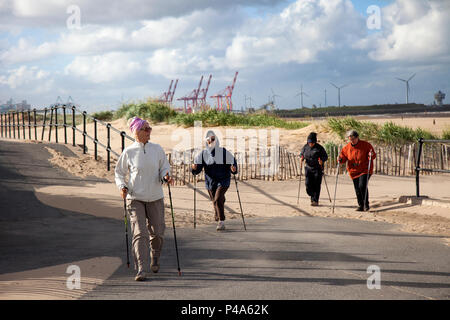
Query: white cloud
[[202, 29], [412, 30], [303, 30], [23, 76], [114, 66], [174, 62], [52, 13]]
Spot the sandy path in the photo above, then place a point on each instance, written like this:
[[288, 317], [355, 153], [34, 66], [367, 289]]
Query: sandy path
[[54, 283], [265, 199], [278, 198]]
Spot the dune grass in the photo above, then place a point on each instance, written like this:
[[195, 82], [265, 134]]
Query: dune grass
[[388, 133], [158, 112]]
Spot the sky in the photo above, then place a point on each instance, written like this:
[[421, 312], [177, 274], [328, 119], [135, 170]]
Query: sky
[[103, 53]]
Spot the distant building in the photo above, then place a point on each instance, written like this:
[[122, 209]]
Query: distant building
[[11, 106], [438, 97], [23, 106]]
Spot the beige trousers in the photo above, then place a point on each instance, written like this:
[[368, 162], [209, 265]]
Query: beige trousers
[[147, 228]]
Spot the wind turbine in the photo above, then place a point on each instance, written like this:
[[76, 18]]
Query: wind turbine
[[407, 86], [339, 91], [301, 94], [273, 96]]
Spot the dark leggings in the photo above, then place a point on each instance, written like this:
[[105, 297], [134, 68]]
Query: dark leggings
[[360, 185], [217, 196], [313, 181]]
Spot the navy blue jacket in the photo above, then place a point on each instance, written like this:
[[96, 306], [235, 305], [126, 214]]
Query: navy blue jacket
[[217, 174]]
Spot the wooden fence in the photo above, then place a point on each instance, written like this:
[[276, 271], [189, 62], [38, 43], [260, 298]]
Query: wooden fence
[[279, 164]]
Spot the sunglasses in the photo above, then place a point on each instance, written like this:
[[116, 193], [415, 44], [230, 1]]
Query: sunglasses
[[146, 129], [210, 139]]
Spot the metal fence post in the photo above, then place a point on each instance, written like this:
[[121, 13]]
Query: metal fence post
[[419, 154], [95, 138], [73, 126], [43, 125], [123, 139], [50, 125], [65, 124], [35, 126], [56, 124], [108, 148], [84, 132], [29, 124]]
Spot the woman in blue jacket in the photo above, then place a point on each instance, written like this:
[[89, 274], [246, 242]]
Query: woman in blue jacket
[[218, 163]]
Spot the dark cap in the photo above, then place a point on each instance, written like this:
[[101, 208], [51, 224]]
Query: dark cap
[[312, 137]]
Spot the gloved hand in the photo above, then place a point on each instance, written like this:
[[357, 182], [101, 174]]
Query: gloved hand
[[168, 179]]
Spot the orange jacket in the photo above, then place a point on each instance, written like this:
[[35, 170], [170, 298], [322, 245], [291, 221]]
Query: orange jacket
[[357, 158]]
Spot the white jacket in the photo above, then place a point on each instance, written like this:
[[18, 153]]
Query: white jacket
[[146, 165]]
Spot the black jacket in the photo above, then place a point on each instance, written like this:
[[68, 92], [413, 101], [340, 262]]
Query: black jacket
[[312, 155]]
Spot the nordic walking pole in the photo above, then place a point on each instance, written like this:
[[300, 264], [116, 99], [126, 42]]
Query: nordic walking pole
[[368, 175], [300, 180], [326, 185], [126, 230], [195, 202], [335, 187], [240, 205], [174, 230]]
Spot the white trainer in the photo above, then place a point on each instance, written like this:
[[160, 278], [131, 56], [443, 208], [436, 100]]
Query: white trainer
[[220, 226]]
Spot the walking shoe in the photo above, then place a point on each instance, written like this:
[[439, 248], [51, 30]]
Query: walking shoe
[[154, 265], [220, 226], [140, 276], [360, 209], [314, 203], [366, 208]]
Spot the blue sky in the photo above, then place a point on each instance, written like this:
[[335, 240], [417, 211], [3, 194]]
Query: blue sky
[[124, 52]]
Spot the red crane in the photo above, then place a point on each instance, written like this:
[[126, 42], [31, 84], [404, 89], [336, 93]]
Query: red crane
[[203, 92], [167, 97], [171, 94], [193, 96], [225, 94]]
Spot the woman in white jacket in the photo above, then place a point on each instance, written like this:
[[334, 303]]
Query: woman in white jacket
[[139, 173]]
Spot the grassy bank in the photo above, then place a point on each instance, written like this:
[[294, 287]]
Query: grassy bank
[[157, 112], [388, 133]]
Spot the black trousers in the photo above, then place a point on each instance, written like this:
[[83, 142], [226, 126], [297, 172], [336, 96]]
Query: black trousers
[[313, 182], [360, 185]]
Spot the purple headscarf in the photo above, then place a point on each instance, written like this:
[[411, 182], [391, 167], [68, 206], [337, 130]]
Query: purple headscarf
[[136, 124]]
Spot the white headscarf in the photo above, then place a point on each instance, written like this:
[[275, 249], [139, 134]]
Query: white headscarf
[[206, 154]]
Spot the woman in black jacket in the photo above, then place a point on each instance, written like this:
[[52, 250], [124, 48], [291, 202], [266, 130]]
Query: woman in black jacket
[[314, 155], [218, 163]]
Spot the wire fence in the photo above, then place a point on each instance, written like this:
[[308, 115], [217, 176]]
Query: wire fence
[[271, 163], [422, 166], [27, 124]]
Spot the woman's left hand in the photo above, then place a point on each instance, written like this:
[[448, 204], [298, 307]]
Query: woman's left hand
[[233, 169]]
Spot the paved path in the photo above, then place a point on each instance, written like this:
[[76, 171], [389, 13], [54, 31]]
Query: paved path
[[282, 258]]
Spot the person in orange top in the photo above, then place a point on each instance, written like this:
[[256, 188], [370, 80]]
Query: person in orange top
[[357, 154]]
